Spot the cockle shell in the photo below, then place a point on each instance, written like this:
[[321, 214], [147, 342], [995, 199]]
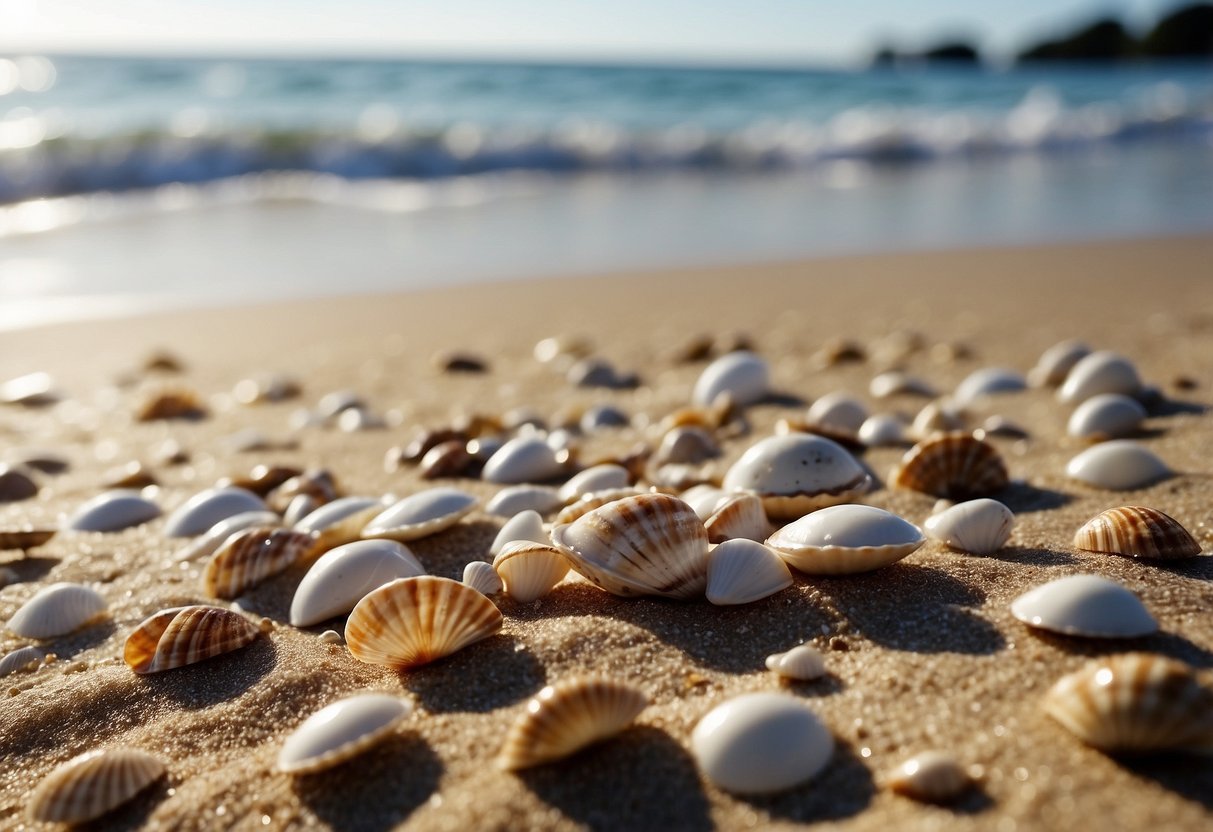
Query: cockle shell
[[1106, 416], [414, 621], [598, 478], [1085, 605], [183, 636], [932, 776], [344, 575], [649, 544], [1135, 702], [566, 717], [92, 784], [57, 610], [760, 743], [1137, 532], [958, 466], [796, 474], [421, 515], [482, 577], [249, 557], [741, 571], [206, 544], [513, 499], [523, 459], [987, 381], [1118, 465], [703, 499], [20, 659], [525, 525], [841, 540], [897, 383], [738, 516], [593, 500], [1056, 362], [882, 429], [838, 411], [980, 527], [530, 570], [1100, 372], [24, 539], [112, 511], [742, 375], [341, 731], [205, 509], [801, 664]]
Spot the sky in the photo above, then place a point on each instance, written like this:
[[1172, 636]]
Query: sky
[[718, 31]]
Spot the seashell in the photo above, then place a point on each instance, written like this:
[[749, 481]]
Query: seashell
[[561, 348], [42, 461], [698, 348], [1100, 372], [482, 577], [354, 419], [132, 475], [759, 743], [344, 575], [603, 416], [979, 527], [597, 478], [482, 448], [932, 776], [743, 375], [268, 387], [738, 516], [460, 362], [837, 351], [1135, 702], [1118, 465], [530, 570], [523, 459], [421, 515], [593, 372], [1106, 416], [112, 511], [703, 499], [566, 717], [678, 477], [206, 508], [838, 411], [988, 381], [897, 383], [332, 405], [31, 390], [57, 610], [842, 540], [939, 415], [1056, 362], [796, 474], [340, 521], [525, 525], [249, 557], [24, 539], [562, 440], [958, 466], [446, 459], [648, 544], [23, 658], [741, 571], [514, 499], [801, 664], [318, 484], [686, 444], [1085, 605], [170, 404], [93, 784], [1137, 532], [593, 500], [1000, 426], [341, 731], [300, 506], [186, 635], [206, 544], [264, 478], [882, 429]]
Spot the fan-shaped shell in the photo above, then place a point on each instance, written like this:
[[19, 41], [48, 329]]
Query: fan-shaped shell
[[112, 511], [24, 539], [482, 577], [592, 501], [598, 478], [882, 429], [738, 516], [703, 499], [1056, 362], [649, 544], [802, 663], [421, 515], [206, 544], [1135, 702], [987, 381], [1085, 605], [414, 621], [566, 717], [344, 575], [958, 466], [523, 459], [842, 540], [205, 509], [341, 731], [932, 776], [1118, 465], [20, 659], [1106, 416], [742, 375], [980, 527], [185, 635], [92, 784], [796, 474], [741, 571], [530, 570], [1100, 372], [249, 557], [525, 525], [1137, 532], [57, 610], [513, 499]]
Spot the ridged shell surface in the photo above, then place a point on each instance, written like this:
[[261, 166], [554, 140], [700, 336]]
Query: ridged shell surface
[[847, 539], [932, 776], [93, 784], [958, 466], [341, 731], [988, 381], [1118, 465], [1085, 605], [112, 511], [20, 659], [1106, 416], [185, 635], [741, 571], [979, 527], [421, 515], [530, 570], [514, 499], [568, 716], [249, 557], [205, 509], [597, 478], [649, 544], [1137, 532], [525, 525], [206, 544], [414, 621], [1100, 372], [57, 610], [838, 411], [1056, 362], [482, 577], [743, 375], [343, 576], [523, 459], [738, 516], [591, 501], [796, 474], [882, 429], [801, 664]]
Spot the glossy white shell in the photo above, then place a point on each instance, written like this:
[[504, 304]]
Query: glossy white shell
[[845, 539], [741, 571], [342, 576], [897, 383], [797, 473], [933, 776], [1100, 372], [530, 570], [205, 509], [979, 527], [838, 411], [936, 416], [421, 515], [597, 478], [882, 429], [523, 459], [525, 525], [513, 499], [482, 577], [801, 664], [112, 511], [206, 544], [738, 516], [300, 506], [19, 659], [31, 389], [341, 731], [1085, 605], [703, 499], [1056, 362], [759, 743], [1118, 465], [332, 513], [57, 610], [1106, 416], [988, 381], [743, 375]]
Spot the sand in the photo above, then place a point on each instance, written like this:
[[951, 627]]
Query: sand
[[923, 654]]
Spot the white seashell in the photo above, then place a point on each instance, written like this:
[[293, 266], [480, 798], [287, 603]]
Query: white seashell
[[57, 610], [604, 416], [796, 474], [1056, 362], [801, 664], [897, 383], [760, 743], [979, 527], [932, 776], [525, 525], [341, 731], [985, 382], [205, 509], [845, 539], [332, 513], [936, 416], [741, 571], [738, 516], [112, 511], [1106, 416], [421, 514], [882, 429], [96, 782], [206, 544], [562, 439], [20, 659], [686, 444], [591, 501], [300, 506], [33, 389], [597, 478], [342, 576], [523, 459], [1085, 605], [530, 570], [1100, 372], [331, 405], [515, 499], [838, 411], [703, 499], [743, 375], [482, 577], [331, 637], [1118, 465]]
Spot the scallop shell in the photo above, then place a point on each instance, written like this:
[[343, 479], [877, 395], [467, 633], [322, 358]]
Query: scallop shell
[[703, 499], [802, 664], [482, 577], [932, 776], [882, 429], [57, 610], [20, 659], [1056, 362], [1118, 465], [980, 527], [205, 509], [988, 381], [421, 515], [1137, 532], [838, 411], [1106, 416], [897, 383], [186, 635], [206, 544], [24, 539], [112, 511], [593, 500], [742, 375], [344, 575], [796, 474], [249, 557], [1100, 372], [1085, 605], [513, 499], [649, 544], [597, 478], [414, 621], [842, 540], [958, 466], [568, 716], [738, 516], [341, 731], [741, 571], [530, 570], [92, 784], [523, 459], [525, 525], [1135, 702]]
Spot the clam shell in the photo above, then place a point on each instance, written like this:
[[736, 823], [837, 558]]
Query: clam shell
[[988, 381], [958, 466], [421, 515], [20, 659], [938, 416], [414, 621], [249, 557], [1056, 362], [1137, 532], [344, 575], [686, 444], [703, 499], [932, 776], [796, 474], [593, 500], [342, 520], [1106, 416], [205, 509], [482, 577], [1085, 605], [566, 717], [606, 415], [32, 390], [597, 478], [185, 635], [980, 527], [92, 784], [738, 516], [111, 511], [760, 743], [897, 383], [24, 539], [57, 610], [1100, 372], [842, 540], [741, 571], [530, 570], [802, 663], [341, 731], [206, 544], [1134, 703], [514, 499], [649, 544], [743, 375], [525, 525], [882, 429], [1118, 465], [300, 506], [523, 459], [838, 411]]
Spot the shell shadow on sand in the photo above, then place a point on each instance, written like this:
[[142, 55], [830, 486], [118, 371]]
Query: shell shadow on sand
[[506, 672], [1171, 645], [243, 668], [844, 789], [1032, 555], [1188, 776], [30, 569]]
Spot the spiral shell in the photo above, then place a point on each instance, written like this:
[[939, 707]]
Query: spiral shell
[[530, 570], [185, 635], [92, 784], [738, 516], [57, 610], [958, 466], [742, 571], [341, 731], [1137, 532], [932, 776], [249, 557]]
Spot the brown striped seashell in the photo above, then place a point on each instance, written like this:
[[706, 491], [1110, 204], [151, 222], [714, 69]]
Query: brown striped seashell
[[414, 621], [1137, 532], [568, 716], [738, 516], [21, 660], [1135, 702], [24, 539], [92, 784], [249, 557], [958, 466], [171, 404], [932, 776], [185, 635], [591, 501]]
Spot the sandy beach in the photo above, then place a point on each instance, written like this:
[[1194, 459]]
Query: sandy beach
[[924, 654]]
